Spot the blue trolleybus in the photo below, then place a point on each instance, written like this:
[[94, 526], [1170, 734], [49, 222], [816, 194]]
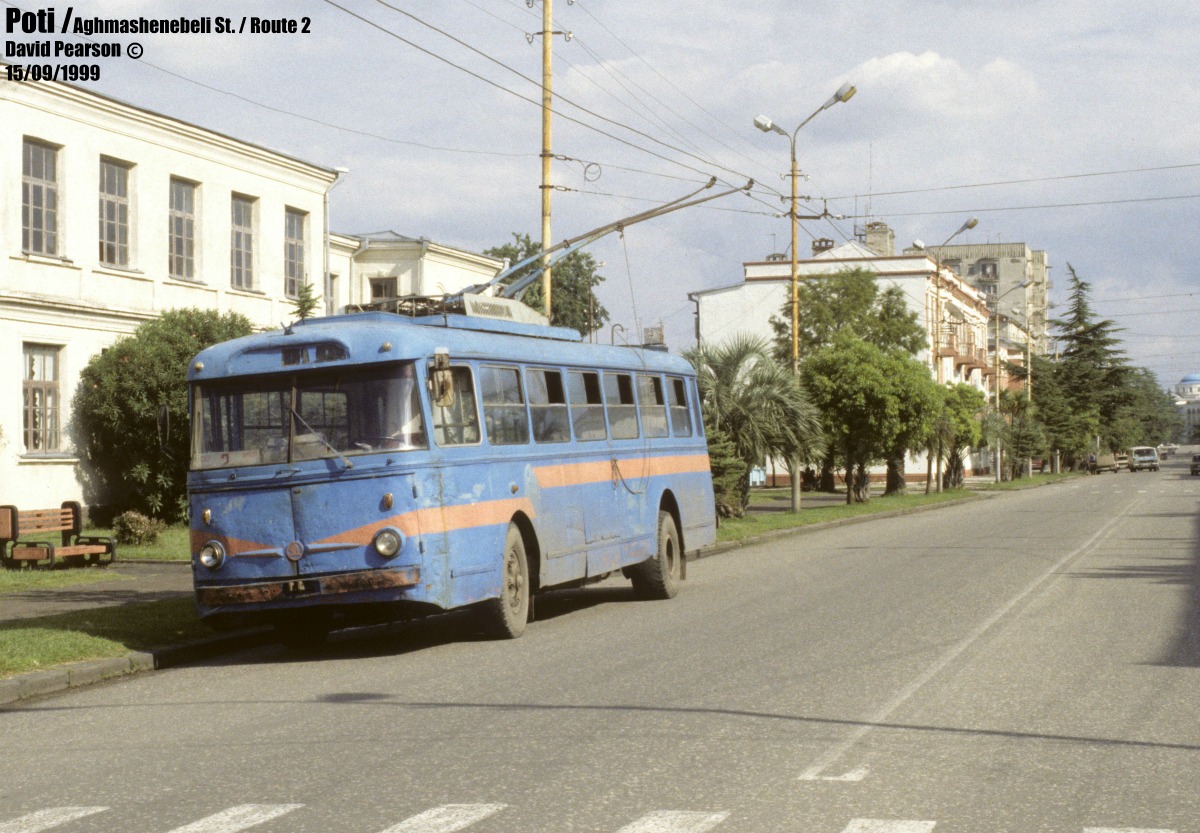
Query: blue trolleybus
[[374, 466]]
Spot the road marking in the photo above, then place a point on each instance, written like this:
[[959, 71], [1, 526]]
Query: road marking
[[45, 819], [881, 716], [1125, 830], [888, 826], [853, 775], [446, 819], [238, 818], [674, 821]]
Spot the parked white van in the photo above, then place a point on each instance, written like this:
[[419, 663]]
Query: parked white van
[[1143, 457]]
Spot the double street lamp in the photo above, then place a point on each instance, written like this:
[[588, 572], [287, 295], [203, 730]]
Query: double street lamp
[[1000, 298], [935, 348], [844, 93]]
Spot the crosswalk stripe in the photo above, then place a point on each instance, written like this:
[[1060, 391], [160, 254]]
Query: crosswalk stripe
[[1125, 830], [674, 821], [446, 819], [888, 826], [45, 819], [238, 818]]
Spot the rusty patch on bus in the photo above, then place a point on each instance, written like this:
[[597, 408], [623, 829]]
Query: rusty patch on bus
[[292, 588]]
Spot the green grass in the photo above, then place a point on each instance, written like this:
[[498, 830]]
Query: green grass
[[36, 644], [756, 523]]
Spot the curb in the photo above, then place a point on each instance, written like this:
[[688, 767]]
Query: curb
[[775, 534], [86, 672]]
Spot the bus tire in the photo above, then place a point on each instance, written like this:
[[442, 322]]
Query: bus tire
[[657, 577], [505, 617]]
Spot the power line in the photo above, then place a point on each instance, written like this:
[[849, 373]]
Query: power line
[[1023, 181], [1033, 207], [521, 75]]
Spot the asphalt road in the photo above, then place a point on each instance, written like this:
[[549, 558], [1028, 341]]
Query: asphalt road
[[1029, 662]]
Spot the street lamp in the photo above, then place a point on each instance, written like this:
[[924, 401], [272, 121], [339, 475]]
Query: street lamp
[[937, 329], [999, 298], [844, 93]]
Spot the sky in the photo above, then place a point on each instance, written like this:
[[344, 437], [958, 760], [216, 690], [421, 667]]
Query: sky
[[1072, 126]]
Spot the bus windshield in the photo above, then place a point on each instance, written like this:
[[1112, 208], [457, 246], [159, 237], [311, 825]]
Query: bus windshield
[[322, 414]]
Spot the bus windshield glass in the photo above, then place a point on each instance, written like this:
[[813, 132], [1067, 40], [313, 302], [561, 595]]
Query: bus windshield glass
[[322, 414]]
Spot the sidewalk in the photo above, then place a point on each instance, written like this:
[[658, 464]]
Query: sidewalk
[[132, 582]]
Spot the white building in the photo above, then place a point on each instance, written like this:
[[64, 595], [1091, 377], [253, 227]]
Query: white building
[[112, 214], [952, 312], [1187, 402]]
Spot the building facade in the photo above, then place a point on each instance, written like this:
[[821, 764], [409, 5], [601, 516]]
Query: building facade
[[1187, 402], [998, 270], [953, 313], [111, 214]]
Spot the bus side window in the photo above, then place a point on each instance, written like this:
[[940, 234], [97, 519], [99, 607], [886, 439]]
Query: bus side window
[[681, 419], [651, 406], [457, 423], [547, 406], [587, 406], [503, 406], [622, 411]]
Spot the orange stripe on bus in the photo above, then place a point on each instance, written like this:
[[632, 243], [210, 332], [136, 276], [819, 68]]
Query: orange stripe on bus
[[233, 546], [631, 468], [439, 519]]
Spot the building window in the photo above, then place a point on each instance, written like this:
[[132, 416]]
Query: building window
[[293, 252], [987, 270], [181, 231], [39, 198], [383, 289], [41, 395], [114, 214], [242, 243]]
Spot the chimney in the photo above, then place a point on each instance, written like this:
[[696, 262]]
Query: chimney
[[821, 244], [880, 239]]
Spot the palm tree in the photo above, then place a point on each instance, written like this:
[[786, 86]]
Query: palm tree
[[760, 405]]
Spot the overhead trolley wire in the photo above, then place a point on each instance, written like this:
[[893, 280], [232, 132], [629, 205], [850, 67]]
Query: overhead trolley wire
[[532, 81]]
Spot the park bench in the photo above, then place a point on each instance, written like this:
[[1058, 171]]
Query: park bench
[[75, 549]]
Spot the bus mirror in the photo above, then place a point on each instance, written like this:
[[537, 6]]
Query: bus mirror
[[441, 379]]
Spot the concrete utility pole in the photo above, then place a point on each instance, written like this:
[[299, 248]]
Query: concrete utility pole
[[547, 78], [547, 186]]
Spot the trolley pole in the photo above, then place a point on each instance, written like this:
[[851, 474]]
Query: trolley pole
[[547, 78]]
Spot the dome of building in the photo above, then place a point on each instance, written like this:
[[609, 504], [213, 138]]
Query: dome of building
[[1190, 379]]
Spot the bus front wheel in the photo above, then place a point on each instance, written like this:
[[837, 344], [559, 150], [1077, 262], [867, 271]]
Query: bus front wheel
[[658, 576], [505, 617]]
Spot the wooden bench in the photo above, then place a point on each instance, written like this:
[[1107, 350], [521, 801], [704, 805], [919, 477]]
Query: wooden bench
[[75, 549]]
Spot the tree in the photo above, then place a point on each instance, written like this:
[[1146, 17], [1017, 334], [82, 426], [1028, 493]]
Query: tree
[[574, 280], [962, 410], [1023, 434], [869, 399], [1092, 369], [130, 412], [307, 302], [848, 300], [760, 406]]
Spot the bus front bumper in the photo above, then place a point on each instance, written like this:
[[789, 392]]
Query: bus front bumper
[[307, 588]]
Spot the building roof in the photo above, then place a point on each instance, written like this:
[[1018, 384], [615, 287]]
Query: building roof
[[388, 236], [1190, 379]]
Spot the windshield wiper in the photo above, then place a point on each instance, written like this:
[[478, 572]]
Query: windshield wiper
[[320, 437]]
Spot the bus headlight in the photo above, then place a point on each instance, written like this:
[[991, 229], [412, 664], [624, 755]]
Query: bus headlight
[[212, 555], [388, 542]]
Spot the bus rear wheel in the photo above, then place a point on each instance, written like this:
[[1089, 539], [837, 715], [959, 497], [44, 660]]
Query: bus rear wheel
[[505, 617], [658, 576]]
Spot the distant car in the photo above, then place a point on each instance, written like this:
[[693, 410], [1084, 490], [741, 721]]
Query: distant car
[[1196, 464], [1122, 461], [1143, 457]]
